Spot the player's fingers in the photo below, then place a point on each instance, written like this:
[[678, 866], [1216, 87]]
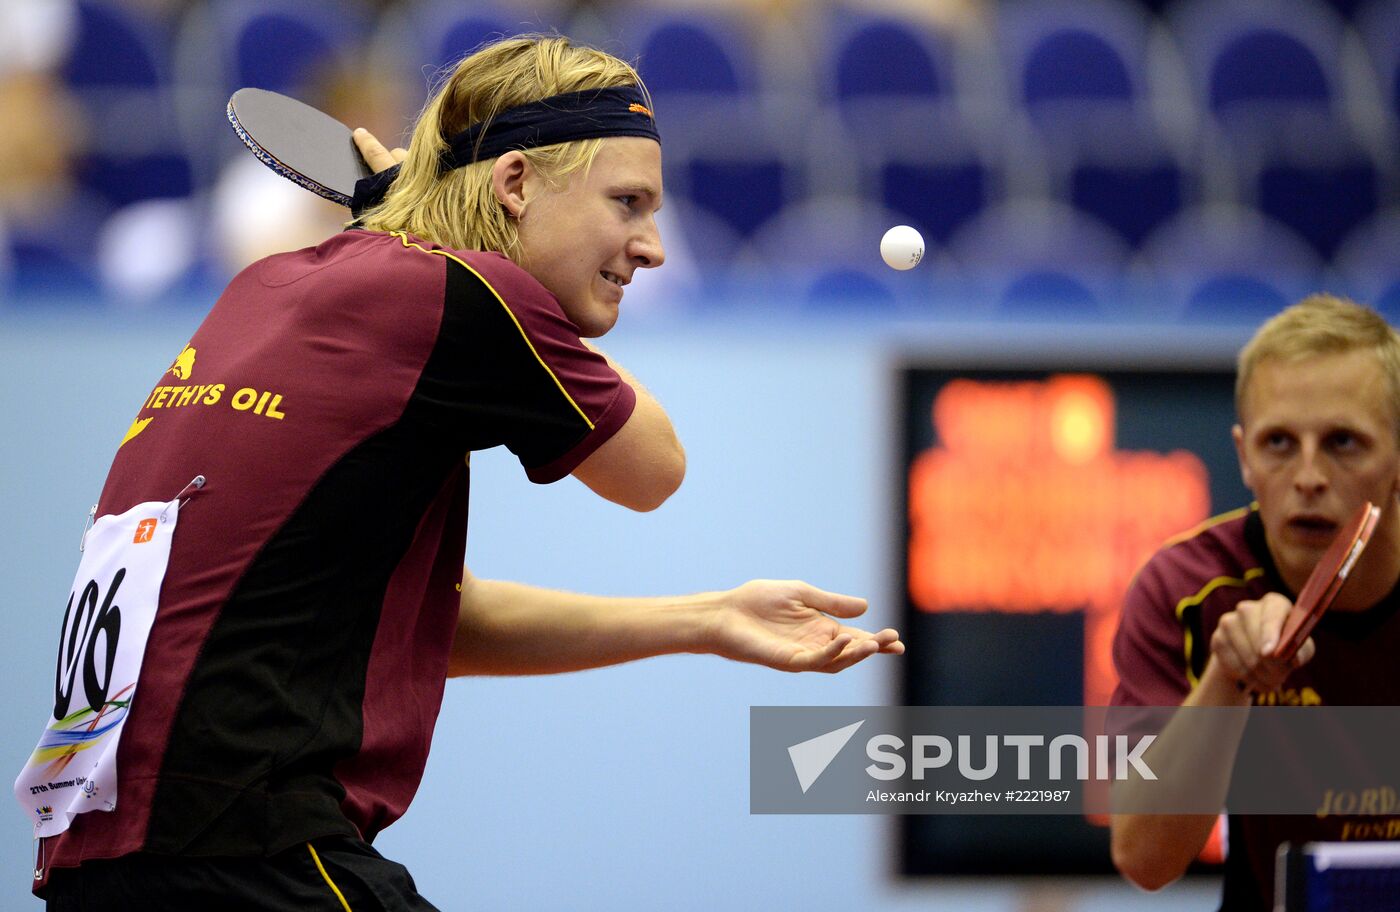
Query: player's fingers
[[834, 603], [889, 641], [1223, 649], [372, 150], [857, 651], [886, 641], [1305, 653], [1272, 617], [1265, 622], [818, 659], [1235, 630], [399, 153]]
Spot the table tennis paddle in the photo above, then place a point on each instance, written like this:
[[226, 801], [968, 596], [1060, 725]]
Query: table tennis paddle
[[1327, 580], [306, 146]]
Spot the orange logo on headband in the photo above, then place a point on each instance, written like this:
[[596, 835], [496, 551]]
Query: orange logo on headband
[[640, 109]]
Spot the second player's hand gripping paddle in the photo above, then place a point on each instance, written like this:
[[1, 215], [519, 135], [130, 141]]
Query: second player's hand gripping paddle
[[1327, 580], [307, 147]]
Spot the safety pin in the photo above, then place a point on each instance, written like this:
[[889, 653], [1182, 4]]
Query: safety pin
[[197, 483], [87, 524]]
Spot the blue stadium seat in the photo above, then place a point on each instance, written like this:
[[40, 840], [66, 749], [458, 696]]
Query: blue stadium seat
[[1075, 51], [1085, 53], [825, 253], [689, 55], [728, 144], [305, 49], [43, 269], [892, 93], [1232, 297], [942, 196], [1133, 198], [1267, 65], [692, 55], [1080, 71], [1322, 201], [882, 56], [267, 44], [52, 254], [744, 193], [1269, 72], [886, 58], [1368, 263], [1226, 264], [1379, 27], [120, 71], [469, 32], [283, 49], [422, 37], [1246, 56], [924, 161], [1075, 63], [121, 180], [1042, 261], [116, 47]]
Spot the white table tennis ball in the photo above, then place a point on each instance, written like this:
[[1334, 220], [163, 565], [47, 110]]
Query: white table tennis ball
[[902, 247]]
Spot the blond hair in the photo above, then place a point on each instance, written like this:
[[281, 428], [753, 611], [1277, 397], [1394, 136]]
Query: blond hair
[[1322, 324], [459, 208]]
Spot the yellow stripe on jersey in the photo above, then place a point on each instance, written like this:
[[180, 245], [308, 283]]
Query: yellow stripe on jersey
[[330, 883], [1208, 524], [1252, 573], [403, 236]]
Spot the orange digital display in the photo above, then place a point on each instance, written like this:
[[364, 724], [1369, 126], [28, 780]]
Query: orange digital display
[[1025, 505]]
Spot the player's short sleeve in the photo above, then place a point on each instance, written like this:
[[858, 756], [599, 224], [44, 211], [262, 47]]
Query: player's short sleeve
[[510, 369], [1149, 652]]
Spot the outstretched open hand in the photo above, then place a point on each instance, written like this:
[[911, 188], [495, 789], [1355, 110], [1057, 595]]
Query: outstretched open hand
[[792, 626]]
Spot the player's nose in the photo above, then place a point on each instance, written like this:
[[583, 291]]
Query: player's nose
[[646, 249], [1309, 476]]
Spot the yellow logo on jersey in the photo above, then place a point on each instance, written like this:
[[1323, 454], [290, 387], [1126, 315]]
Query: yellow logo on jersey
[[137, 427], [184, 365], [260, 402]]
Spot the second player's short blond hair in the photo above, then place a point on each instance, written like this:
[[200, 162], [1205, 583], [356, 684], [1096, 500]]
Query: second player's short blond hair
[[1322, 324]]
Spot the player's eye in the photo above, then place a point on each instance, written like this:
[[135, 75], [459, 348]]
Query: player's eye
[[627, 200], [1277, 442], [1344, 441]]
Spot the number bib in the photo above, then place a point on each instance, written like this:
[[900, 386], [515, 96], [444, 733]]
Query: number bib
[[110, 610]]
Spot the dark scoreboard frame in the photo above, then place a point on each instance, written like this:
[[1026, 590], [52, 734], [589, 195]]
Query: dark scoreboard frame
[[1025, 658]]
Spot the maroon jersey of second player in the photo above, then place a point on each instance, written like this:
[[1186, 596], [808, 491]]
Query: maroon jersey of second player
[[1163, 643], [331, 399]]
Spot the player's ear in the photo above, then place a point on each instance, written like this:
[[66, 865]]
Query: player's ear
[[1237, 435], [509, 174]]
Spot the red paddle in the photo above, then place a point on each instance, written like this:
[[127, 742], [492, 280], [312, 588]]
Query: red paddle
[[1327, 580]]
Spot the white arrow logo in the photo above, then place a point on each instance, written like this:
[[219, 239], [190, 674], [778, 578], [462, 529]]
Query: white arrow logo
[[810, 758]]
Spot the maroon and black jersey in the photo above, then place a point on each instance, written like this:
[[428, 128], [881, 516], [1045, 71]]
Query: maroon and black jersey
[[331, 399], [1163, 642]]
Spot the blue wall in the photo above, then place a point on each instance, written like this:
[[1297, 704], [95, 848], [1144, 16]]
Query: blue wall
[[623, 788]]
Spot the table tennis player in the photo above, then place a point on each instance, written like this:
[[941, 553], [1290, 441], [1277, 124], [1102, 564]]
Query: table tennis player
[[1318, 403], [315, 599]]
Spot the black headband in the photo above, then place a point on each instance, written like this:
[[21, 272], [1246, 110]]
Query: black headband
[[590, 114]]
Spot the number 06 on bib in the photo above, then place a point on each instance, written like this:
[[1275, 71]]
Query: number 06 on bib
[[101, 642]]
